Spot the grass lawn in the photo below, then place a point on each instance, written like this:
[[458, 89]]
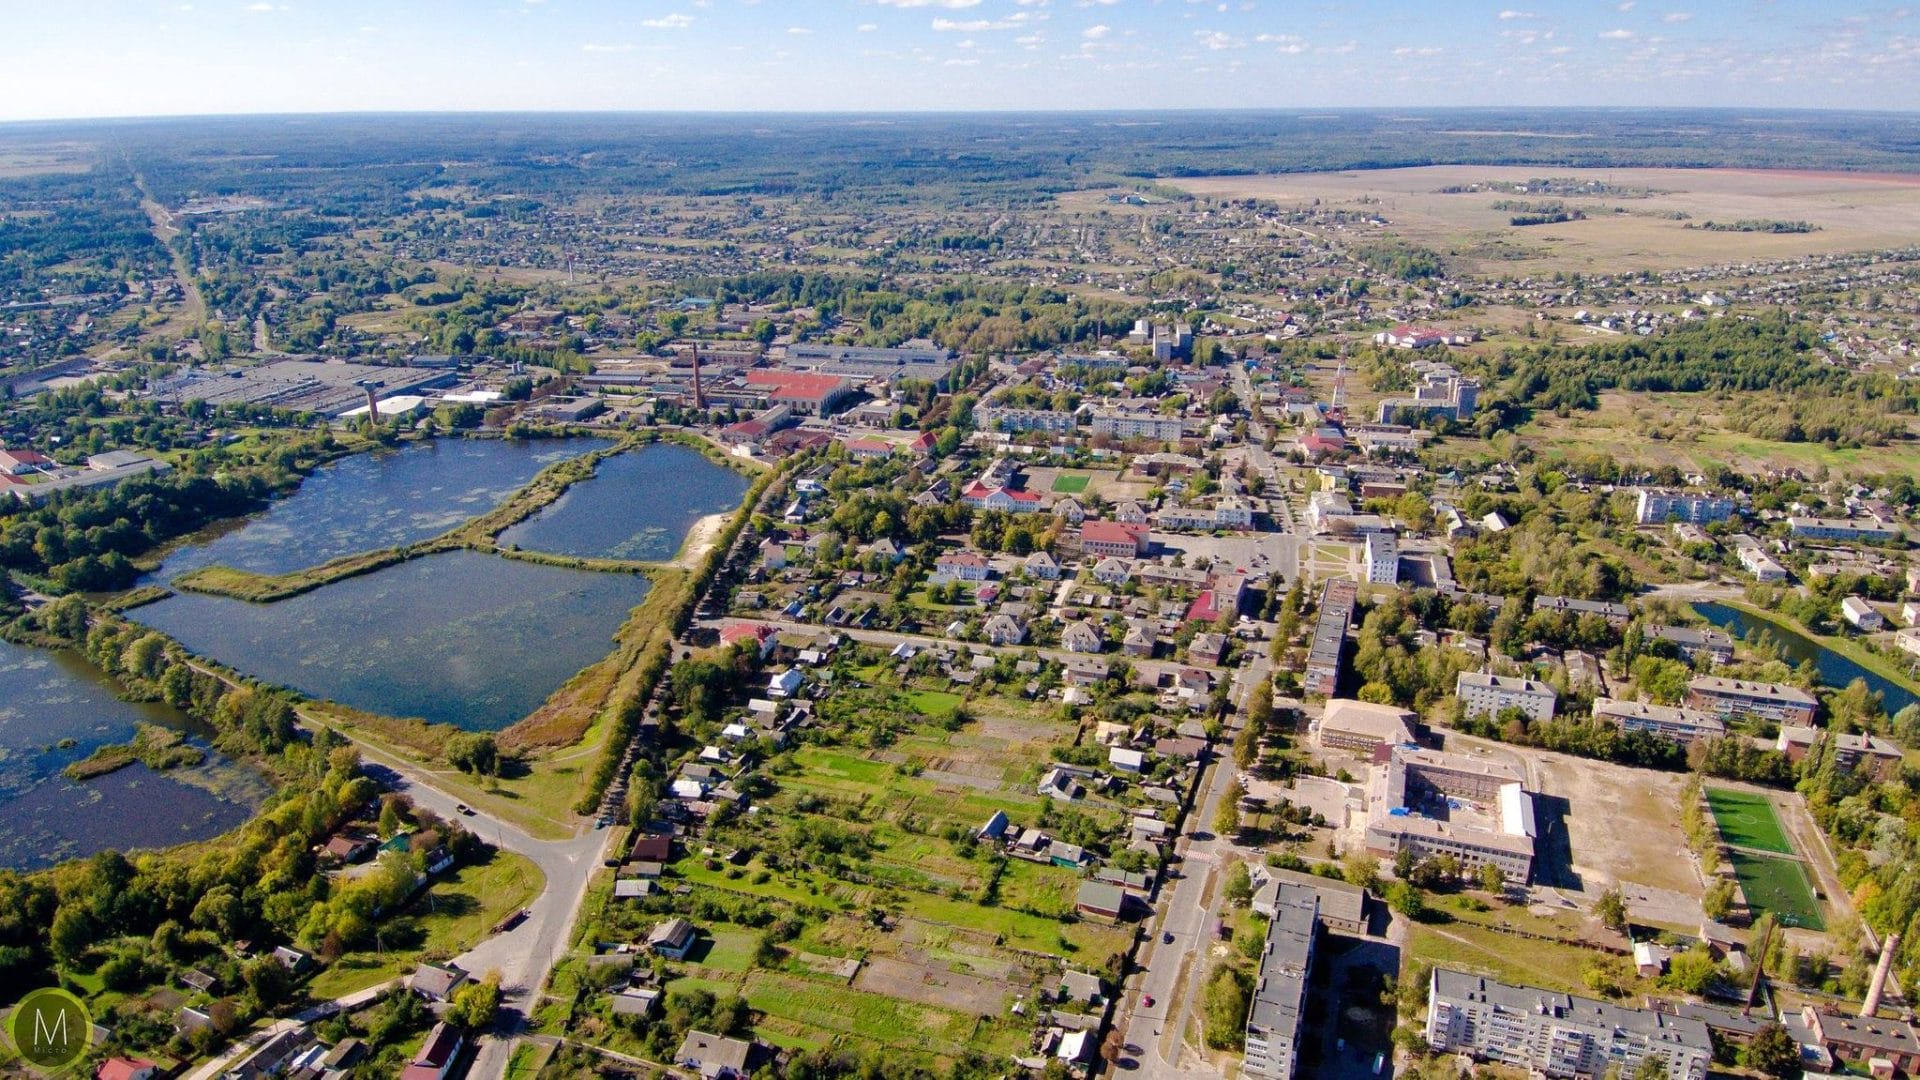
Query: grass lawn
[[466, 905], [730, 949], [1527, 961], [933, 703], [1779, 886], [1747, 820], [1071, 483]]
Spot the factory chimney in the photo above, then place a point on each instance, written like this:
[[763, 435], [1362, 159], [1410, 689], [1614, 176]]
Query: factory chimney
[[1880, 973], [699, 398]]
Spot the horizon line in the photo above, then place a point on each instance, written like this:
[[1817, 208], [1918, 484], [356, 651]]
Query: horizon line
[[1196, 110]]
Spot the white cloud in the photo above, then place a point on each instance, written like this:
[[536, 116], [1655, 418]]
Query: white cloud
[[799, 29], [1218, 39], [1095, 33], [607, 47], [1016, 21], [675, 21], [962, 62], [928, 3], [1676, 17], [1291, 44], [1627, 5], [262, 6], [1030, 41], [867, 27], [1512, 14], [1616, 35], [1425, 50]]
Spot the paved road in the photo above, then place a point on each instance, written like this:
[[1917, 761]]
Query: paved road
[[526, 954]]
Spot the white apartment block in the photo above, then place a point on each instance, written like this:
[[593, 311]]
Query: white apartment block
[[1488, 695]]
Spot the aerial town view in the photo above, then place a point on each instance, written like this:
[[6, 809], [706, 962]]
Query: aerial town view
[[958, 540]]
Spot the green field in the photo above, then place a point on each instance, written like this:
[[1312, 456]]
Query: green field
[[1779, 886], [1748, 820], [1071, 483]]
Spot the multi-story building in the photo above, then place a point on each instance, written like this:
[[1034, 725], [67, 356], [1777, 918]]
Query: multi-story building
[[1715, 645], [1852, 752], [1655, 506], [1329, 638], [1487, 695], [1126, 424], [1383, 558], [1743, 699], [1615, 614], [1433, 804], [1014, 421], [1558, 1035], [1364, 727], [1813, 528], [1277, 1017], [1441, 391], [1114, 539], [1678, 725], [1764, 567]]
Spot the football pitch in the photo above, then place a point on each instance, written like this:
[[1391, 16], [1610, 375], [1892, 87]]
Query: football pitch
[[1071, 483], [1779, 886], [1748, 820]]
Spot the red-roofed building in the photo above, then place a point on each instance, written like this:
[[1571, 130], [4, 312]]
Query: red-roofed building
[[1204, 608], [1116, 539], [21, 462], [120, 1068], [762, 636], [981, 497], [437, 1056], [869, 449], [923, 446], [805, 392]]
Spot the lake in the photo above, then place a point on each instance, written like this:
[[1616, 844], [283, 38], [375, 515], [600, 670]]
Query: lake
[[49, 696], [1835, 670], [460, 637], [639, 505], [375, 500]]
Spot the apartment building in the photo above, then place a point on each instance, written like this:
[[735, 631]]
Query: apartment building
[[1558, 1035], [1277, 1017], [1679, 725], [1125, 424], [1742, 699], [1656, 506], [1322, 677], [1488, 695]]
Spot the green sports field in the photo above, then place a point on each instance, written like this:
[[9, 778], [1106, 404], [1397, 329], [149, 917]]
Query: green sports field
[[1779, 886], [1071, 483], [1748, 820]]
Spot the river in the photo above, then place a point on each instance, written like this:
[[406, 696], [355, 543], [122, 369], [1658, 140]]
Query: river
[[1835, 670]]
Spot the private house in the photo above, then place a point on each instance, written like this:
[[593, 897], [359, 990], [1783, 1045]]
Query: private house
[[1101, 900], [960, 566], [119, 1068], [714, 1057], [1042, 565], [1004, 630], [1060, 784], [1111, 571], [436, 982], [1082, 637], [785, 683], [1861, 616], [672, 939], [763, 638]]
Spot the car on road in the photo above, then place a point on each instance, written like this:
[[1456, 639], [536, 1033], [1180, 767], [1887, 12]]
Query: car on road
[[512, 920], [1166, 938], [465, 809]]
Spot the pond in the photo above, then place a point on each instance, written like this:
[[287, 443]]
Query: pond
[[1796, 648], [639, 505], [375, 500], [48, 697], [461, 637]]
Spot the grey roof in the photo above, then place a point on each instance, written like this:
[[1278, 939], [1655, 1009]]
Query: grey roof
[[1339, 901], [1458, 986], [1280, 995]]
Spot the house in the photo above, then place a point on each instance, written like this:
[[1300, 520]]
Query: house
[[1207, 647], [292, 959], [996, 826], [437, 1055], [436, 982], [764, 638], [1060, 784], [1070, 511], [1042, 565], [785, 684], [960, 566], [1101, 900], [1080, 986], [1140, 640], [119, 1068], [1861, 615], [1126, 760], [672, 939], [1082, 637], [714, 1057], [773, 553], [347, 849], [1112, 571], [22, 462], [636, 1002], [1004, 630]]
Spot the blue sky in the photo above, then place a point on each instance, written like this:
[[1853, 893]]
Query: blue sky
[[128, 57]]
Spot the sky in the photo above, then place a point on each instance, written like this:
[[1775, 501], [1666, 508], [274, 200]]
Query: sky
[[94, 58]]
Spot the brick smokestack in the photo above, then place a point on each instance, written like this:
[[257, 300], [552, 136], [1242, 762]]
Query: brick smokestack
[[1880, 972]]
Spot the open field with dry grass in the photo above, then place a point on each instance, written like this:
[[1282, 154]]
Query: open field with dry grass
[[1623, 824], [1853, 211]]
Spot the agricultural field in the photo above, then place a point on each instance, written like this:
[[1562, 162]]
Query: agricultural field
[[1747, 820], [1637, 224]]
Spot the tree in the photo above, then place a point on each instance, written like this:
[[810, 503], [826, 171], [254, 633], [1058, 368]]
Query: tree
[[71, 934], [1650, 1068], [1773, 1051], [1493, 879], [1406, 899], [474, 1004], [1717, 901], [1361, 869], [474, 752], [1239, 886], [1226, 821], [1229, 993], [1611, 910]]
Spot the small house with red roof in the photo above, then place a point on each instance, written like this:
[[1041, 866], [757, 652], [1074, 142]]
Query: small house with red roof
[[22, 462], [762, 636], [119, 1068]]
